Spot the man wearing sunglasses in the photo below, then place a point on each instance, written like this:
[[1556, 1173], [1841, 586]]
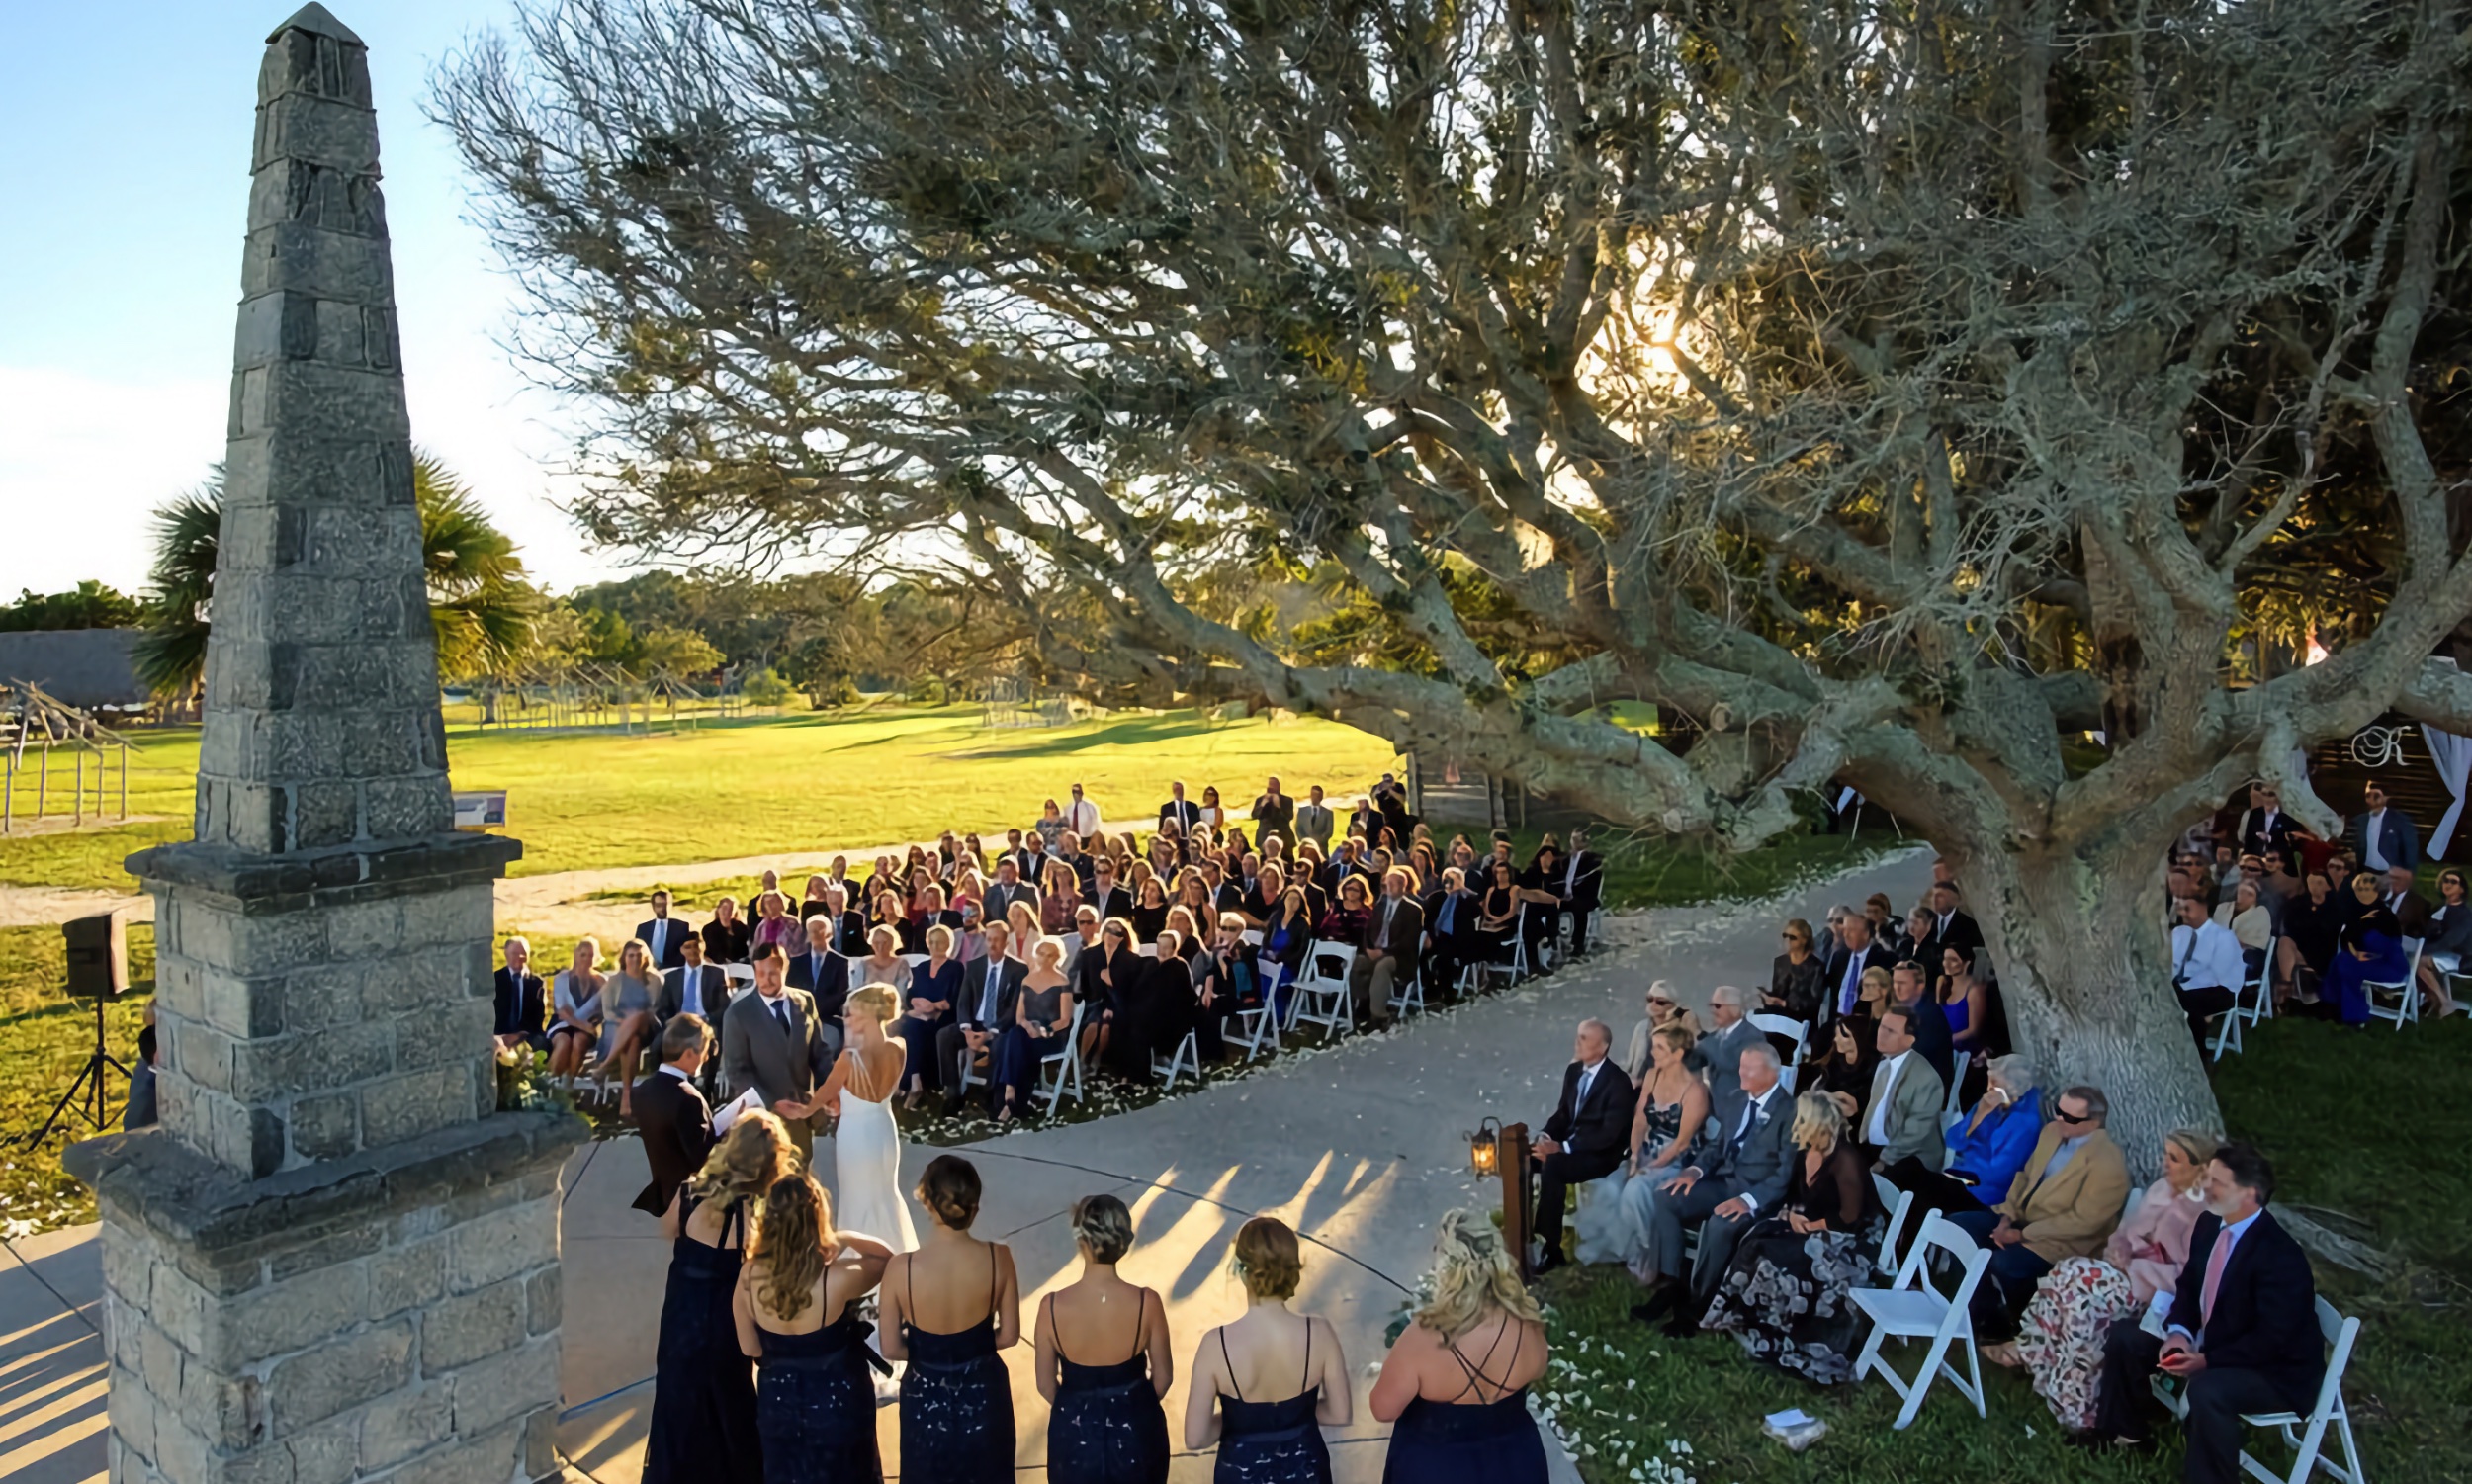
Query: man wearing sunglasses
[[2062, 1205]]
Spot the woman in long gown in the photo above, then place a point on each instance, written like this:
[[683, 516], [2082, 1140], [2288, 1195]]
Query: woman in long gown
[[1285, 940], [934, 985], [1042, 1018], [1665, 1122], [1456, 1382], [1241, 1364], [866, 1143], [796, 1310], [2371, 951], [703, 1390], [956, 1399], [1786, 1293], [1107, 1426]]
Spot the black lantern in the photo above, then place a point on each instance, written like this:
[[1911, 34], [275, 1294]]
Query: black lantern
[[1484, 1146]]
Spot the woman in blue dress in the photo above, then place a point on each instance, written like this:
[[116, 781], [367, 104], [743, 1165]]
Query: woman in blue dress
[[948, 1308], [929, 1008], [796, 1310], [1263, 1386], [1104, 1361], [1455, 1383], [2369, 951], [703, 1390], [1285, 940]]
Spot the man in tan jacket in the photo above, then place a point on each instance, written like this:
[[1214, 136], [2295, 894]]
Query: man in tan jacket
[[2062, 1205]]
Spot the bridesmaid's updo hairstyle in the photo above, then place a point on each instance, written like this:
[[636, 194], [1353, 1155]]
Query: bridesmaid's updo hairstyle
[[950, 1189], [1266, 1260], [1104, 1226]]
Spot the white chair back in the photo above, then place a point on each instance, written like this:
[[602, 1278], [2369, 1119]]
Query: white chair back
[[1797, 1032]]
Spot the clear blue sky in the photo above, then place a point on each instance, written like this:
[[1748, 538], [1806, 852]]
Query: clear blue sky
[[126, 182]]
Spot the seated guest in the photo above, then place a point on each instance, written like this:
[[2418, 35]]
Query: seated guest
[[1965, 1001], [2250, 922], [1022, 918], [2060, 1342], [520, 1005], [1586, 1138], [933, 987], [2446, 941], [2312, 923], [812, 904], [1042, 1018], [2206, 964], [2062, 1205], [1661, 1011], [1887, 929], [1668, 1115], [1743, 1169], [1902, 1117], [1008, 889], [1784, 1293], [991, 988], [1450, 932], [1720, 1052], [2241, 1332], [1224, 983], [1285, 940], [1188, 930], [1385, 959], [575, 1011], [1499, 910], [1154, 1017], [1346, 922], [1798, 977], [1934, 1039], [1061, 900], [774, 924], [1985, 1148], [1110, 976], [1459, 1418], [627, 1001], [727, 938], [2411, 908], [662, 934], [849, 925], [2369, 951], [910, 931], [820, 972], [1079, 939], [2283, 884], [671, 1115], [696, 988], [1852, 961], [1844, 1071], [883, 965], [1111, 900]]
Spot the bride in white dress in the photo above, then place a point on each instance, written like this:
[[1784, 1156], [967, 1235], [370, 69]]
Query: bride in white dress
[[866, 1146]]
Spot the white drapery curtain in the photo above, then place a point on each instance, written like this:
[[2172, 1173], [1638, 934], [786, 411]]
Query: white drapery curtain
[[2452, 753]]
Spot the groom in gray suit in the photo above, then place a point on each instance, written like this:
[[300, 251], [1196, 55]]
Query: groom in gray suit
[[770, 1042], [1740, 1179]]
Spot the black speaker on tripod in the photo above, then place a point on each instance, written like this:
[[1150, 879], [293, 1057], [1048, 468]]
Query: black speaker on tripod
[[98, 970]]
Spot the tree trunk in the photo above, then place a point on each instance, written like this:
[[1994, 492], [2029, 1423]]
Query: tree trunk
[[2079, 943]]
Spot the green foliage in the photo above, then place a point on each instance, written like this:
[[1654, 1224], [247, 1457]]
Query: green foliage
[[766, 687], [88, 605], [680, 652]]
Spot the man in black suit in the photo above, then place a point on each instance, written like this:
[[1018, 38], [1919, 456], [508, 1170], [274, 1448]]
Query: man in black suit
[[824, 975], [675, 1120], [1275, 815], [1580, 885], [1008, 889], [2243, 1330], [696, 988], [990, 987], [1847, 965], [849, 925], [2263, 826], [1387, 960], [1183, 813], [1951, 926], [522, 1009], [664, 935], [1584, 1139], [1450, 932], [1111, 900]]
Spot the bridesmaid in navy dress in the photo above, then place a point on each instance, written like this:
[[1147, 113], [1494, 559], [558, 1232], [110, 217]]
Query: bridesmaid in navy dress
[[703, 1390], [797, 1315], [1456, 1384], [956, 1398], [1108, 1425], [1265, 1385]]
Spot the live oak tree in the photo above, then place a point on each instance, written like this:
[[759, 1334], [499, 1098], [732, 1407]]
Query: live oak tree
[[1891, 394]]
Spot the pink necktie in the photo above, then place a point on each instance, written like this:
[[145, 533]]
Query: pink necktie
[[2214, 1275]]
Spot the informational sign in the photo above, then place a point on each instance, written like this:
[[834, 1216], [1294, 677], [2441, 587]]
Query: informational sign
[[481, 809]]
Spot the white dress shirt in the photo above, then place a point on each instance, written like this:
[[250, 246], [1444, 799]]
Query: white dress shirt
[[2370, 855], [2207, 957], [1883, 1091], [1082, 818]]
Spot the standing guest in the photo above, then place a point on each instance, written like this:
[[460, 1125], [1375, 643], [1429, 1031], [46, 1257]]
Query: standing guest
[[1081, 815], [1042, 1018], [727, 939], [822, 973], [2262, 826], [1455, 1382], [2381, 838], [991, 986], [2241, 1333], [1579, 889], [2060, 1342], [774, 924], [2062, 1205], [576, 1007], [1951, 923], [1386, 959], [1275, 816], [934, 988], [144, 1108], [1181, 813], [1902, 1117], [1051, 825], [1786, 1294], [519, 1003], [1587, 1136], [1742, 1170], [1720, 1052], [663, 934], [1798, 977], [2371, 951], [672, 1116], [796, 1311], [948, 1309], [1240, 1365], [1106, 1425], [2447, 943], [704, 1423], [1213, 816], [1313, 820], [1985, 1148], [774, 1045], [1964, 1000], [627, 1001]]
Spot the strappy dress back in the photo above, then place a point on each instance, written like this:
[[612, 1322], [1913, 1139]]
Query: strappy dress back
[[1271, 1442], [1108, 1426], [1482, 1435], [703, 1393], [956, 1399], [815, 1404]]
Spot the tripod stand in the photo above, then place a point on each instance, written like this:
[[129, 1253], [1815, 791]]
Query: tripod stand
[[87, 1097]]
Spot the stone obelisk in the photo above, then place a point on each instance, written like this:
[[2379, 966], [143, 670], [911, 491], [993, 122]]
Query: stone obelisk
[[333, 1259]]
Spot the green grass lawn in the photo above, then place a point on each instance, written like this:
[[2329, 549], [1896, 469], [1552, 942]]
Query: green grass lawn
[[799, 783], [2315, 1098]]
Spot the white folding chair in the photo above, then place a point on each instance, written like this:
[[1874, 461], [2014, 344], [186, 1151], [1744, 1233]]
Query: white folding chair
[[1953, 1108], [2307, 1446], [1408, 998], [1066, 1064], [2406, 1006], [1321, 995], [1914, 1309], [1147, 950], [1901, 1204], [1187, 1059], [739, 973], [914, 960], [1253, 936], [1255, 1031], [1792, 1029]]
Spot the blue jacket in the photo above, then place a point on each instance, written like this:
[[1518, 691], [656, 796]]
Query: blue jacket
[[1993, 1153]]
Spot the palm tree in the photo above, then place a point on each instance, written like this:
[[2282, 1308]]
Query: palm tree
[[479, 601]]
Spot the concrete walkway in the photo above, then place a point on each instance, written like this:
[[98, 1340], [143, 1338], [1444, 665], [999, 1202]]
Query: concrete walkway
[[1360, 1148]]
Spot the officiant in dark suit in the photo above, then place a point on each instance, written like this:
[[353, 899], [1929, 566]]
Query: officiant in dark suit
[[664, 933], [1584, 1139], [671, 1115]]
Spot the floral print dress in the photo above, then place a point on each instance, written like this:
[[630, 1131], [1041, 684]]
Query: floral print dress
[[1787, 1294]]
